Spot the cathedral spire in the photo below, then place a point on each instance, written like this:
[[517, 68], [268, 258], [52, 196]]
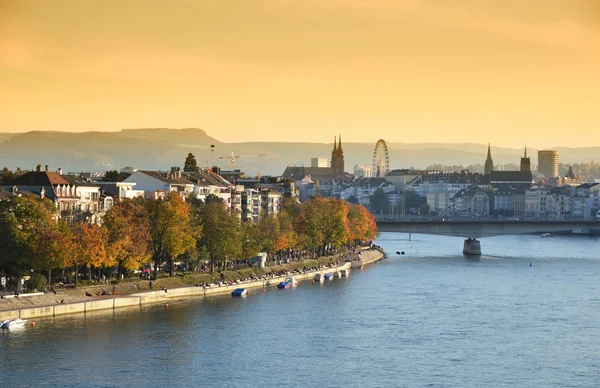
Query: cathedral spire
[[340, 145], [525, 150], [489, 163], [334, 143]]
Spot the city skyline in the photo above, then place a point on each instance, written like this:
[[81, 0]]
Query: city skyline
[[499, 72]]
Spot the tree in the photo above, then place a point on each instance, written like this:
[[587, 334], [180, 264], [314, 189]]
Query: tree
[[379, 202], [127, 234], [361, 224], [89, 248], [352, 199], [253, 240], [23, 221], [115, 176], [170, 229], [220, 237], [190, 163], [54, 248], [323, 222], [424, 209]]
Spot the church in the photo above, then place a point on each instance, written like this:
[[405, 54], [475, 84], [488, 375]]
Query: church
[[335, 172]]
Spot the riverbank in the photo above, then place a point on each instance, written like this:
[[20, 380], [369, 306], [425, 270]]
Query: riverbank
[[75, 301]]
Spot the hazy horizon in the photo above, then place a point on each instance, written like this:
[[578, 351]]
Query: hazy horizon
[[504, 72]]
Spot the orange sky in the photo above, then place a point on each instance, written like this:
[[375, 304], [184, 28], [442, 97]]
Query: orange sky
[[499, 71]]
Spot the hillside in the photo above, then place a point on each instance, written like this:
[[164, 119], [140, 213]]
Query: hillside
[[161, 148]]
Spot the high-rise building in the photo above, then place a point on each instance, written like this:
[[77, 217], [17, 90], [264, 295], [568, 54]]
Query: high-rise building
[[319, 162], [361, 171], [489, 163], [548, 163], [525, 162]]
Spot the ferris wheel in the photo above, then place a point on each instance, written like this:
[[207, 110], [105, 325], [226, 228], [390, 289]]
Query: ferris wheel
[[381, 160]]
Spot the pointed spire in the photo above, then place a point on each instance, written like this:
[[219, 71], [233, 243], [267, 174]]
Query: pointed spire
[[525, 150], [489, 155], [334, 143], [340, 145]]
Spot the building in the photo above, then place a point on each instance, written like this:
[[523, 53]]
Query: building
[[77, 200], [337, 159], [525, 162], [548, 163], [489, 163], [361, 171], [511, 179], [319, 162], [158, 184]]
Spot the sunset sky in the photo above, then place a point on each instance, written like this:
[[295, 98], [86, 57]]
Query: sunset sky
[[507, 72]]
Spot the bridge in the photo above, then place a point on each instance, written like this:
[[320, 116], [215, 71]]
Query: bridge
[[474, 229]]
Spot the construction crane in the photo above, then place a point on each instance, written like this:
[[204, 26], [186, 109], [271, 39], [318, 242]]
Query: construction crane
[[232, 157]]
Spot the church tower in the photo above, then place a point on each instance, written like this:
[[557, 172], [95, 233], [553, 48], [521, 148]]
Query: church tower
[[525, 162], [489, 163], [337, 158]]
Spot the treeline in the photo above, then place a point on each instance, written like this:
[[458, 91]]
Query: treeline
[[137, 232]]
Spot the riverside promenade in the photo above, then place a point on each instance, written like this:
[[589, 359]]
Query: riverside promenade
[[48, 305]]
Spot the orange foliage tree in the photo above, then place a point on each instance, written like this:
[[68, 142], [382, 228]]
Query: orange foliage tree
[[128, 234], [89, 248]]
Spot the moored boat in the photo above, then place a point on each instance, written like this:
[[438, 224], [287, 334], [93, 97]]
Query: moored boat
[[288, 282], [328, 276], [13, 323], [239, 292], [345, 272], [337, 274], [319, 277]]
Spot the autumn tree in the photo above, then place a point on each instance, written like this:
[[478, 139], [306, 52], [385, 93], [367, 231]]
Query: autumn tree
[[170, 230], [360, 224], [190, 163], [54, 248], [127, 234], [89, 248]]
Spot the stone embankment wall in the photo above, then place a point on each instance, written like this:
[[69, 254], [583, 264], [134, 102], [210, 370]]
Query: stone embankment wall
[[150, 297]]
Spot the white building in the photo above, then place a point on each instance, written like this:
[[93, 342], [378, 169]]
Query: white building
[[319, 162]]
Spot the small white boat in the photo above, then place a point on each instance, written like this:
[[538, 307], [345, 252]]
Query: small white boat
[[319, 278], [13, 323], [239, 292], [545, 235], [288, 282], [345, 272]]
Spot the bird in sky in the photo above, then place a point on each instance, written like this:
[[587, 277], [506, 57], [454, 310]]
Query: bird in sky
[[352, 85]]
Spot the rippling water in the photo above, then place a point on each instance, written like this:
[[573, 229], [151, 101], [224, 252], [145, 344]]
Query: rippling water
[[429, 318]]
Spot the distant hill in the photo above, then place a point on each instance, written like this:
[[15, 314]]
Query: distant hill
[[162, 148]]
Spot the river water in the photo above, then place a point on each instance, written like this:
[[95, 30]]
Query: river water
[[429, 318]]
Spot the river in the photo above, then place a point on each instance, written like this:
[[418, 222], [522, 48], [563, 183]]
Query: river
[[429, 318]]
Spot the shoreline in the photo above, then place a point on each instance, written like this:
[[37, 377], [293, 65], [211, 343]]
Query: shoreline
[[160, 296]]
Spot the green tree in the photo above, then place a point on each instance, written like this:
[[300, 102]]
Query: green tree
[[379, 202], [190, 163], [23, 221], [220, 237], [324, 222], [170, 230], [353, 199]]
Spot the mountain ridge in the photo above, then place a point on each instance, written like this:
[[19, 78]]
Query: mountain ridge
[[162, 148]]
